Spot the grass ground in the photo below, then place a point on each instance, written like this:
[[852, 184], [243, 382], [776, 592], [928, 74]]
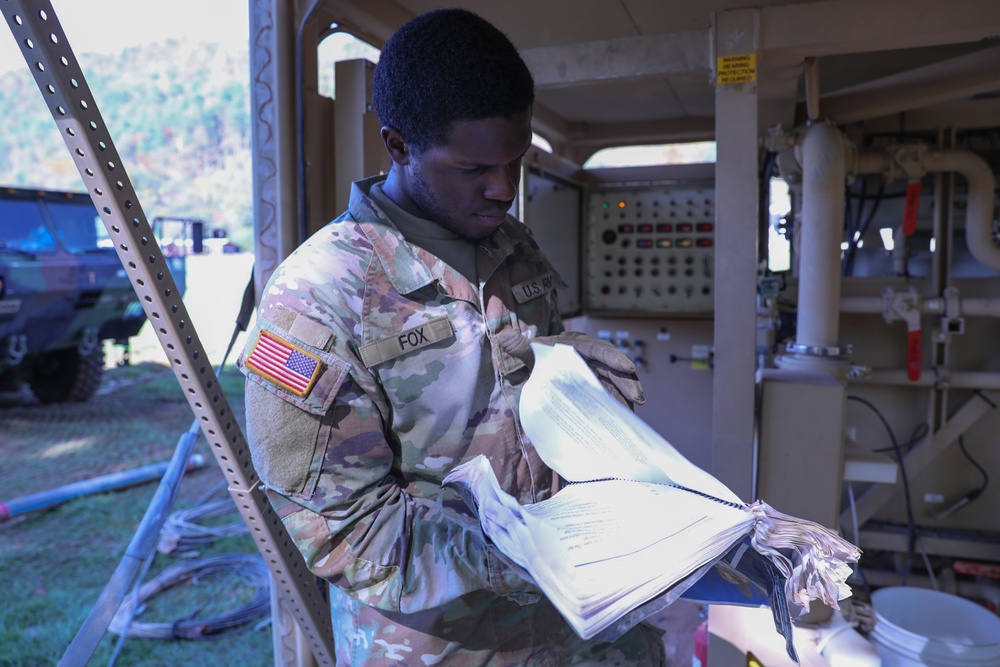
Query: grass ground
[[54, 563]]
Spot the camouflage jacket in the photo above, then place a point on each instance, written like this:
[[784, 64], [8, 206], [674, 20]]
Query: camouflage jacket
[[373, 371]]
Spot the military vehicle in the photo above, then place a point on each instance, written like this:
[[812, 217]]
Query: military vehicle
[[63, 293]]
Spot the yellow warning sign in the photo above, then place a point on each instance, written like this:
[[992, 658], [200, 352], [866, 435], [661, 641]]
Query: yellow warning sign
[[736, 69]]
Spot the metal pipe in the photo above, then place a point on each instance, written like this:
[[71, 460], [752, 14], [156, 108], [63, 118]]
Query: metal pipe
[[89, 635], [979, 201], [824, 169], [111, 482], [861, 304], [982, 307], [812, 88], [930, 377]]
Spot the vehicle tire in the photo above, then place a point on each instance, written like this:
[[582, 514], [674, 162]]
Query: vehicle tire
[[67, 375], [9, 381]]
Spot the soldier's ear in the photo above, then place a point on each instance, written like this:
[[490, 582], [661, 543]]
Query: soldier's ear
[[398, 150]]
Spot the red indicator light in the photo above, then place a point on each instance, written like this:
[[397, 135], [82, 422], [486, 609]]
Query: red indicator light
[[664, 228], [705, 226], [704, 243], [644, 243]]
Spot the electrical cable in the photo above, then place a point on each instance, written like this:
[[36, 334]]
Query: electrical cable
[[986, 398], [911, 522], [858, 570], [249, 568], [918, 434], [183, 535], [854, 513], [982, 471], [927, 564], [871, 213], [856, 231], [971, 495]]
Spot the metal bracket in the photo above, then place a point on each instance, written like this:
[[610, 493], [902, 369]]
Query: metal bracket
[[951, 320], [64, 89], [88, 340], [903, 306], [17, 348], [908, 160]]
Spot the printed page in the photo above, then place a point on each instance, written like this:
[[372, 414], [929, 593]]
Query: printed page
[[583, 433], [617, 536], [599, 549]]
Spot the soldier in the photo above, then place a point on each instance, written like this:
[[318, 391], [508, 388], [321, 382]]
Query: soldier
[[393, 345]]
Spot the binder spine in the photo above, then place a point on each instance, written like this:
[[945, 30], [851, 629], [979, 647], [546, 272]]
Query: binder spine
[[742, 506]]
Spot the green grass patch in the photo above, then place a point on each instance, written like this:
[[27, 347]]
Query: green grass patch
[[55, 562]]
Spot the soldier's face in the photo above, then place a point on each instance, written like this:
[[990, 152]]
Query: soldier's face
[[467, 184]]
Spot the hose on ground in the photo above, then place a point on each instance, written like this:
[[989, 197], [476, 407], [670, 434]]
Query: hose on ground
[[251, 571]]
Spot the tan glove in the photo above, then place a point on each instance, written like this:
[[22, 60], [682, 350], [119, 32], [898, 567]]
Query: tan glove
[[613, 368]]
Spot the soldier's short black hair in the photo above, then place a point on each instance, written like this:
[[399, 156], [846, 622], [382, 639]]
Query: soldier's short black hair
[[445, 66]]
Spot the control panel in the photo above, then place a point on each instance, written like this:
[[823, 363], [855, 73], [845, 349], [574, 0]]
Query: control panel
[[651, 249]]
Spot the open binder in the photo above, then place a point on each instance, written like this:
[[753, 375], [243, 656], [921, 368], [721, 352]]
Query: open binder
[[637, 525]]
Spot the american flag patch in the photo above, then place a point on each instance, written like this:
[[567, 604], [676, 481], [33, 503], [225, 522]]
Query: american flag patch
[[283, 363]]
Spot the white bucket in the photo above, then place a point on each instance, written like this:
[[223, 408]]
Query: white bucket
[[916, 627]]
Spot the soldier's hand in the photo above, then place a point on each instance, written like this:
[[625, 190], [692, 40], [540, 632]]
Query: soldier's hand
[[611, 366]]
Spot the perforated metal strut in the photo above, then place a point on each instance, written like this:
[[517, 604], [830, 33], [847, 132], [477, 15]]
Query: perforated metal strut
[[62, 84]]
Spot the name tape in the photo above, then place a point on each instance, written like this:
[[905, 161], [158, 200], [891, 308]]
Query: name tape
[[400, 343], [534, 288]]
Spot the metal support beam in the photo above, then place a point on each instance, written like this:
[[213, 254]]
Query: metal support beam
[[632, 57], [833, 27], [53, 64], [735, 39], [957, 115], [953, 79], [272, 103], [879, 540]]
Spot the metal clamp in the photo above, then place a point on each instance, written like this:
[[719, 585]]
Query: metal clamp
[[818, 350]]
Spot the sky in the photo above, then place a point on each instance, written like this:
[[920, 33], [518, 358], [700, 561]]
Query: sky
[[109, 26]]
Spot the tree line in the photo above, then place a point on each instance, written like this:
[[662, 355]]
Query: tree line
[[179, 115]]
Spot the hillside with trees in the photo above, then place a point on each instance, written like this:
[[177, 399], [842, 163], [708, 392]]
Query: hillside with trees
[[179, 114]]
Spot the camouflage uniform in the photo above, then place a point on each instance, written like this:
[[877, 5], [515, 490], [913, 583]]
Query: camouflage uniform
[[392, 378]]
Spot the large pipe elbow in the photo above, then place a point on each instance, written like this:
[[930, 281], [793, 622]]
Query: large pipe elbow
[[979, 203], [978, 176]]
